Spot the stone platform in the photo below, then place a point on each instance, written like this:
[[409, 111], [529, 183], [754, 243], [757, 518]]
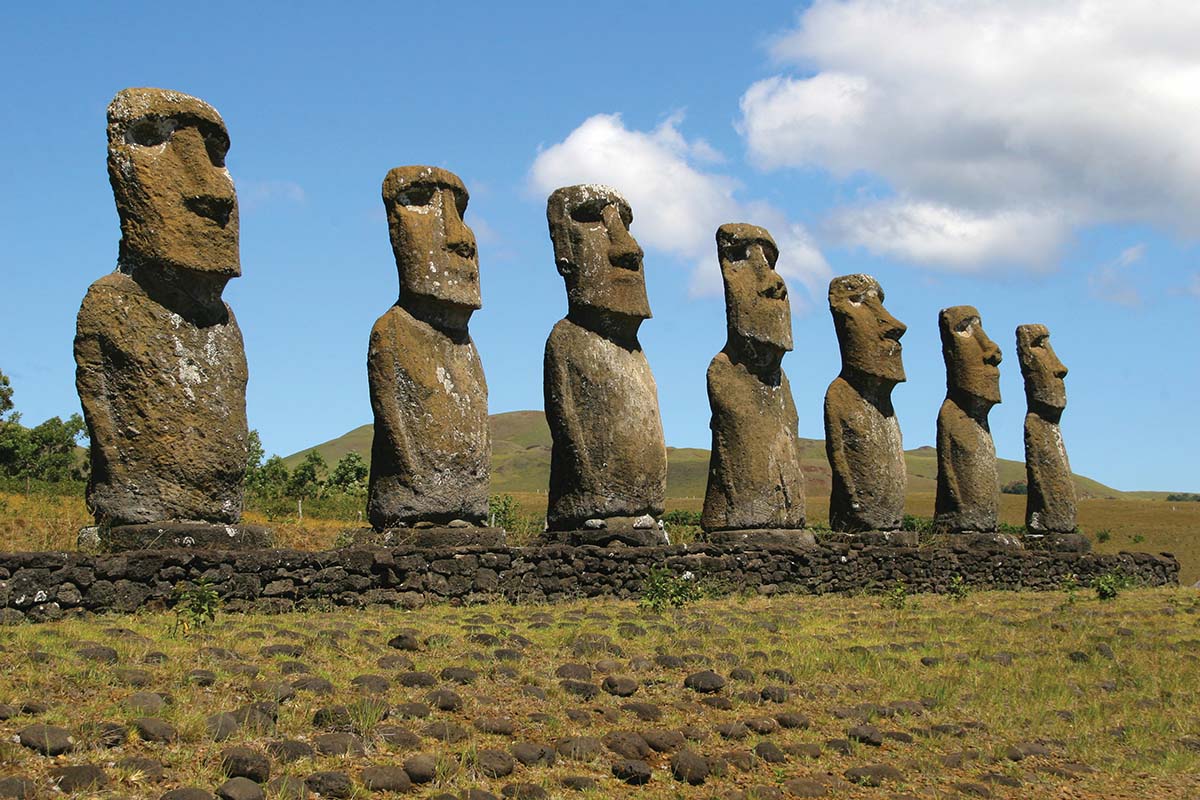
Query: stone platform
[[175, 535], [46, 586], [431, 537], [774, 537]]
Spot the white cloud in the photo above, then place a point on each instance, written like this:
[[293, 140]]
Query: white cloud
[[1112, 281], [999, 125], [253, 195], [677, 206], [949, 236]]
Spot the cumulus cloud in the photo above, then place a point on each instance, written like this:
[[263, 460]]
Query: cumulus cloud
[[677, 203], [1113, 281], [998, 126]]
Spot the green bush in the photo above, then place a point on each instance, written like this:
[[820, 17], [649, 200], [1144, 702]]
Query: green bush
[[897, 596], [1070, 585], [1015, 487], [679, 517], [663, 588], [1108, 586], [911, 522], [195, 606], [1103, 535], [958, 590]]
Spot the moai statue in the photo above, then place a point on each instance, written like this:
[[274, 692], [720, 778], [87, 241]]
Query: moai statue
[[608, 464], [755, 480], [430, 458], [968, 488], [1050, 503], [160, 365], [862, 435]]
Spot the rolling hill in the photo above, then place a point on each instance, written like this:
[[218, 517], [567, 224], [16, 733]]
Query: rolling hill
[[521, 461]]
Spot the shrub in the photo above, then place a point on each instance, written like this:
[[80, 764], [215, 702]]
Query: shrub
[[1070, 585], [1015, 487], [911, 522], [680, 517], [897, 596], [1103, 535], [663, 588], [195, 606], [1109, 585], [958, 590]]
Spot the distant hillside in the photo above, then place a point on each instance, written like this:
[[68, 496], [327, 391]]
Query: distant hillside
[[521, 461]]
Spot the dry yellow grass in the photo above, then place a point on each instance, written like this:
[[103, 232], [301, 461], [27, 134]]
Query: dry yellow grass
[[995, 669]]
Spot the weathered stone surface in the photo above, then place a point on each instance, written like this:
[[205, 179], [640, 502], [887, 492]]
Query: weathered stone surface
[[754, 477], [49, 740], [160, 364], [432, 447], [609, 459], [763, 537], [968, 488], [862, 435], [188, 535], [1050, 502], [430, 536]]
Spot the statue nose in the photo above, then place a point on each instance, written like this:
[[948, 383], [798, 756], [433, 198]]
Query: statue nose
[[459, 238], [991, 354], [206, 188], [218, 209], [892, 327], [623, 250]]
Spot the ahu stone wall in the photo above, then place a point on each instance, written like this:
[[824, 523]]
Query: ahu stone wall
[[46, 586]]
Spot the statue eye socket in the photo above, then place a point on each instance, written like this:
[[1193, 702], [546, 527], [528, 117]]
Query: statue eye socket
[[416, 196], [150, 131], [588, 212], [736, 252]]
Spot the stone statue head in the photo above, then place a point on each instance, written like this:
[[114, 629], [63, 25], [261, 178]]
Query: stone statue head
[[597, 257], [178, 210], [434, 248], [972, 359], [756, 298], [868, 336], [1040, 367]]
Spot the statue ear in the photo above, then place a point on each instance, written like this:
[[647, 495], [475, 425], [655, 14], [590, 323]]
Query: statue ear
[[565, 267]]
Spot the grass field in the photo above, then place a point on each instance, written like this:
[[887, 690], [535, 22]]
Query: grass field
[[1001, 695]]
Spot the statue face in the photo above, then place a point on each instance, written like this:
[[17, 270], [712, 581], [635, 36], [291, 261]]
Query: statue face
[[595, 254], [1040, 367], [972, 359], [869, 337], [166, 163], [756, 298], [435, 250]]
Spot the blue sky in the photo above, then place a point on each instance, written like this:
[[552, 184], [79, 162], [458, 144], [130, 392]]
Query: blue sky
[[1036, 160]]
